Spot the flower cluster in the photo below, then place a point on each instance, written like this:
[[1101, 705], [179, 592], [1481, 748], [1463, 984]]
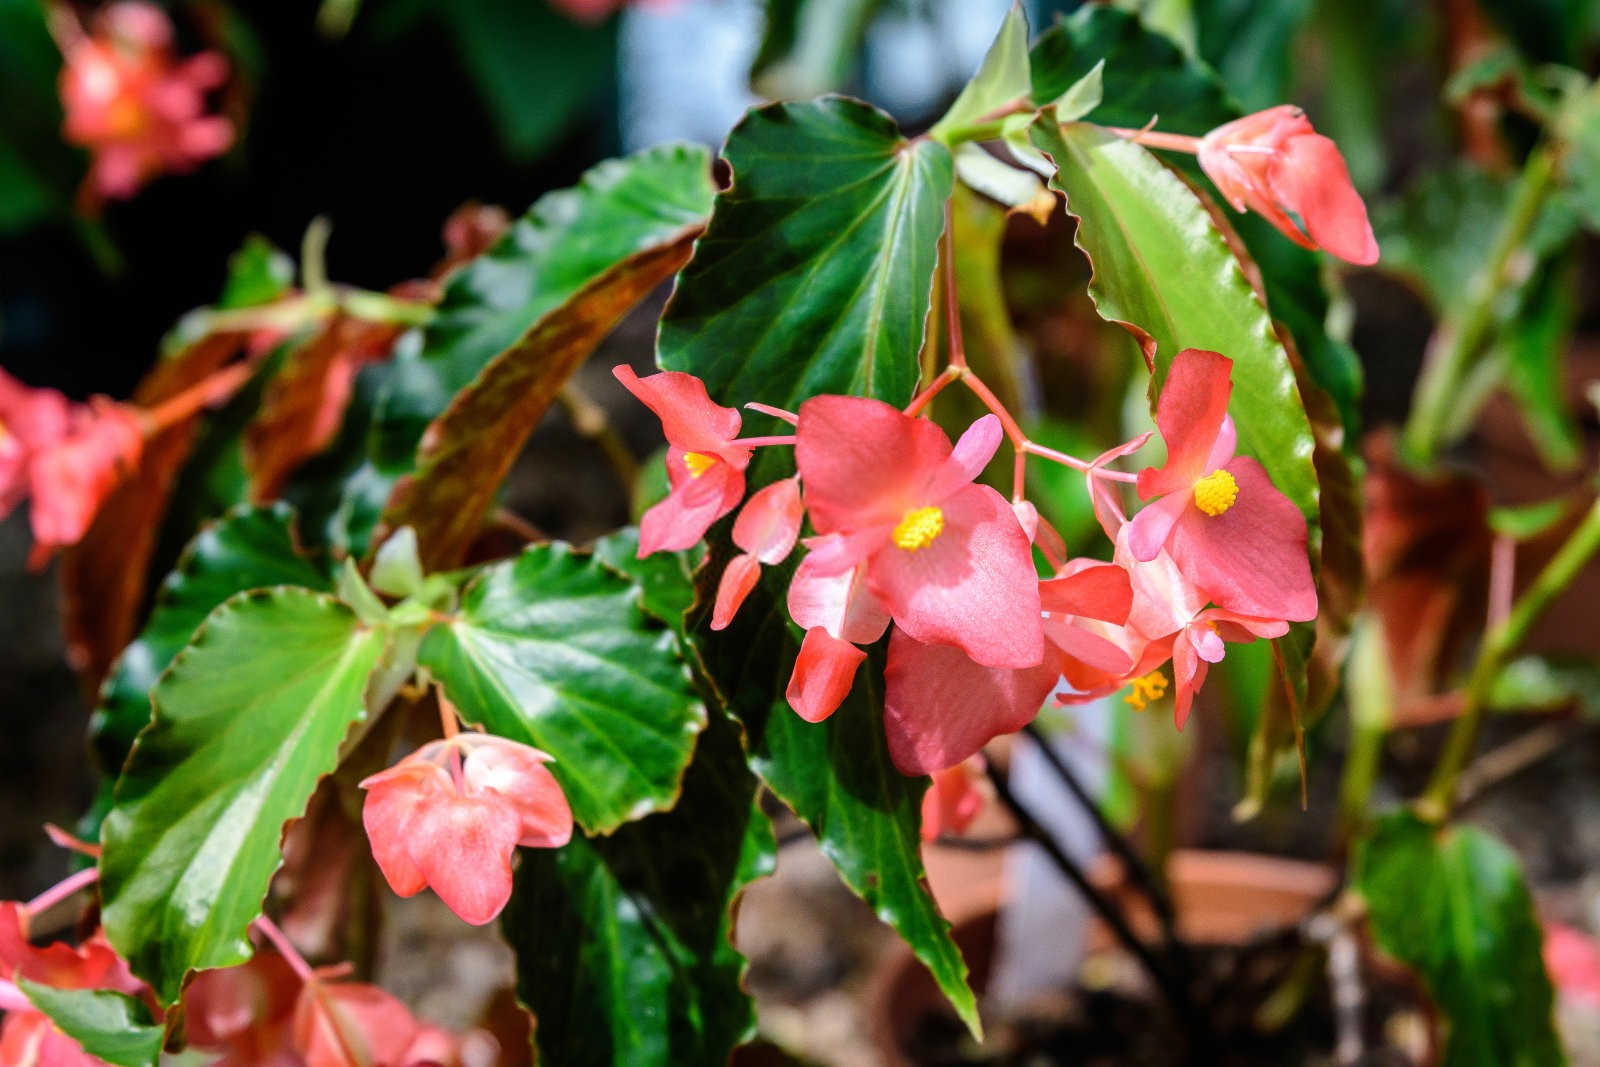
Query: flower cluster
[[903, 533], [132, 103], [68, 457]]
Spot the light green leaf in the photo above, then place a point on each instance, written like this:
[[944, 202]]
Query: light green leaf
[[1164, 272], [623, 943], [815, 273], [247, 719], [1452, 903], [552, 649], [1082, 96], [810, 47], [250, 548], [110, 1026], [1002, 78], [258, 273]]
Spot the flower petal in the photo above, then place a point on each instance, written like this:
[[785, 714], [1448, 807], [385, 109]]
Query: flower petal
[[738, 578], [940, 707], [1150, 528], [971, 454], [973, 586], [1189, 414], [1096, 591], [823, 673], [769, 522], [1309, 177], [1251, 559], [838, 602], [689, 418], [394, 798], [517, 774], [463, 847], [682, 519], [864, 462]]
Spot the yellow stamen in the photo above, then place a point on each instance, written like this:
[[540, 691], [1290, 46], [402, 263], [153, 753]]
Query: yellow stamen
[[1216, 492], [698, 463], [919, 527], [1146, 690]]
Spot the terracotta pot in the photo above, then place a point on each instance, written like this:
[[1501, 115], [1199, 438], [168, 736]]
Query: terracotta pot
[[1220, 897]]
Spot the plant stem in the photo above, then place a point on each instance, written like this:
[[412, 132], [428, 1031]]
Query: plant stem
[[1462, 338], [61, 891], [1132, 863], [285, 947], [1172, 142], [1498, 645], [1172, 989]]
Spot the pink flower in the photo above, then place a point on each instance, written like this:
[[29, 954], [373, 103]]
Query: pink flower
[[837, 613], [137, 108], [954, 799], [27, 1037], [940, 707], [68, 457], [1573, 960], [351, 1024], [456, 829], [245, 1012], [946, 557], [766, 529], [1229, 530], [1274, 163], [704, 466]]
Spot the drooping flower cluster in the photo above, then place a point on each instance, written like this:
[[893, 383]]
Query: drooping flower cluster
[[451, 815], [904, 534], [139, 109]]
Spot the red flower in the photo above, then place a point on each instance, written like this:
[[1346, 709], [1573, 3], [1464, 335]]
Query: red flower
[[946, 557], [1272, 162], [954, 799], [766, 529], [941, 707], [1229, 530], [456, 830], [245, 1012], [351, 1024], [704, 466], [837, 613], [134, 105]]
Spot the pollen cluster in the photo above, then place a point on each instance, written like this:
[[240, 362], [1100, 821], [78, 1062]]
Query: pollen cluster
[[698, 463], [918, 529], [1216, 492], [1142, 692]]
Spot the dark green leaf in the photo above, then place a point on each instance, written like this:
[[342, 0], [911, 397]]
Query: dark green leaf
[[815, 273], [1452, 904], [1534, 346], [1547, 31], [568, 241], [1249, 43], [810, 46], [467, 451], [551, 649], [1164, 271], [836, 775], [249, 549], [1439, 232], [113, 1027], [665, 579], [247, 719], [623, 942]]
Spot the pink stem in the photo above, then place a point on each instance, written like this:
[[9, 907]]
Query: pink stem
[[1079, 465], [778, 413], [920, 401], [61, 891], [285, 947], [1175, 142], [952, 310], [761, 442], [1502, 577]]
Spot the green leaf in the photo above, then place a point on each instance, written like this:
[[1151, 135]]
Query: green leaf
[[1534, 347], [665, 579], [110, 1026], [623, 943], [1438, 233], [258, 273], [1452, 904], [250, 548], [815, 273], [466, 452], [1250, 43], [513, 297], [247, 719], [551, 649], [1545, 684], [837, 776], [1164, 272], [810, 47], [1148, 75], [1002, 78], [1522, 522], [1547, 31], [1083, 96]]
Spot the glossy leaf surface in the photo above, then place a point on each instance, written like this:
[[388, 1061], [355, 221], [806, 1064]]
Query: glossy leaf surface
[[552, 649], [112, 1027], [1452, 903], [247, 720], [623, 942], [248, 549], [815, 272]]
